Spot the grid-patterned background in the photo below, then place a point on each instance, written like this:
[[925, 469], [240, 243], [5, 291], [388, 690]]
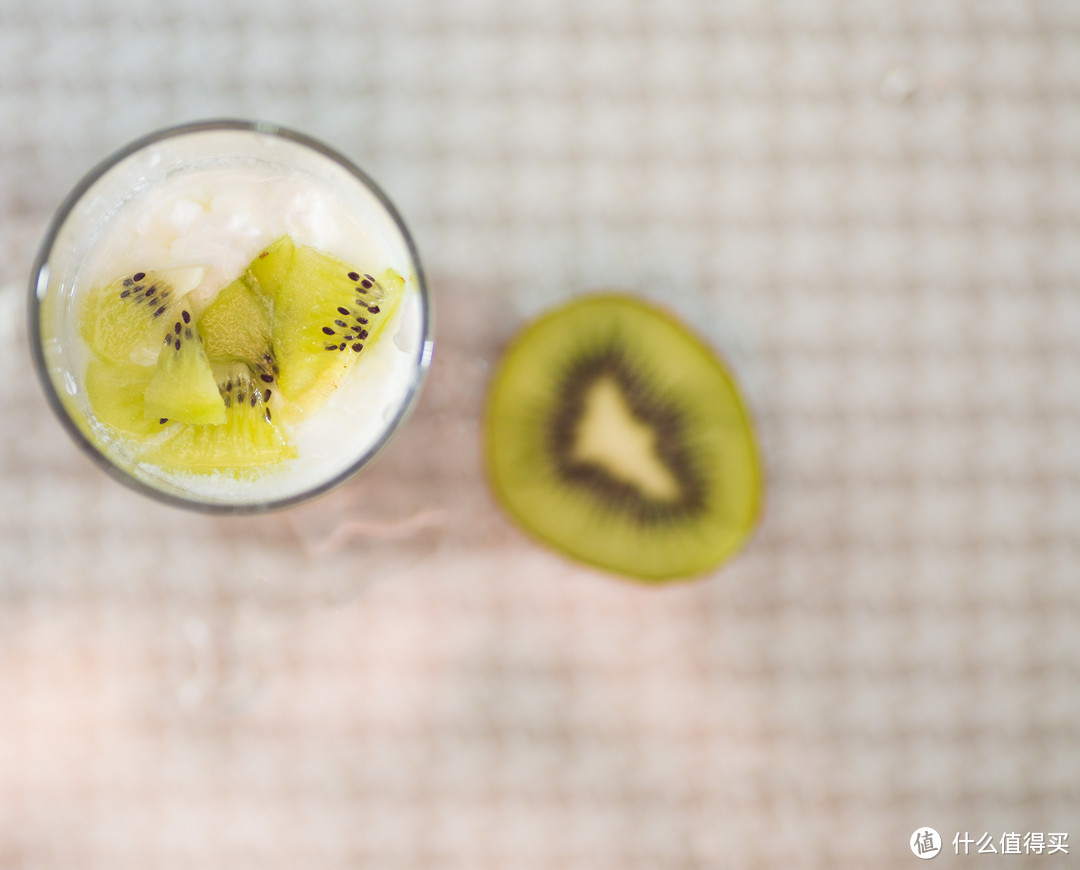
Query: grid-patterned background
[[871, 208]]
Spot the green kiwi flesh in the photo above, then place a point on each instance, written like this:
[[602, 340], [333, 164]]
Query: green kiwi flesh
[[183, 388], [235, 327], [615, 435], [116, 392], [325, 313], [247, 439], [124, 321]]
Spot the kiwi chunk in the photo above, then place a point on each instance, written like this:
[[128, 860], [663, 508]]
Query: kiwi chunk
[[616, 436], [271, 267], [235, 327], [325, 313], [124, 321], [183, 386], [115, 392], [248, 439]]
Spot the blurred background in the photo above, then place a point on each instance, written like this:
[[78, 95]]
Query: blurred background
[[869, 208]]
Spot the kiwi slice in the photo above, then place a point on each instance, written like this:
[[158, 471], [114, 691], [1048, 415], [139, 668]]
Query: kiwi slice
[[124, 321], [115, 392], [183, 386], [271, 267], [247, 439], [615, 435], [325, 312], [235, 327]]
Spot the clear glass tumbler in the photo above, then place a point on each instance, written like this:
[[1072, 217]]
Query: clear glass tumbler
[[208, 197]]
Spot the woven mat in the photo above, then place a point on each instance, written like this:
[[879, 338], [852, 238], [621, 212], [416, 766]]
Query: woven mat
[[872, 209]]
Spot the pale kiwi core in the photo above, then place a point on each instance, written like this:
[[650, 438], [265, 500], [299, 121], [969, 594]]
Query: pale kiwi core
[[611, 436], [217, 217]]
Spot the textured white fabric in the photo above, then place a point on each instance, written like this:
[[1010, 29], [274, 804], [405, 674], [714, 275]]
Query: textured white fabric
[[872, 210]]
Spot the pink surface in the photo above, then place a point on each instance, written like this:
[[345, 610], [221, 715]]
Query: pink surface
[[870, 210]]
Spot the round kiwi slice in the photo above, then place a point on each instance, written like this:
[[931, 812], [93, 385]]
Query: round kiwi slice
[[618, 437]]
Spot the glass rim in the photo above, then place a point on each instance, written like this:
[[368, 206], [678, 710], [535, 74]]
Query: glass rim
[[37, 292]]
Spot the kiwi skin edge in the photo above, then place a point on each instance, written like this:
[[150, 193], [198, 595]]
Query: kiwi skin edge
[[750, 495]]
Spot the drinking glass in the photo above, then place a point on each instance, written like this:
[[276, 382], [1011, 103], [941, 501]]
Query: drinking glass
[[309, 184]]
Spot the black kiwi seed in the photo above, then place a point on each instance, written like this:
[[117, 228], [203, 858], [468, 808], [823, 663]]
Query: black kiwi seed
[[365, 284], [267, 415], [342, 346], [341, 323], [240, 397], [361, 320], [343, 310], [357, 347], [366, 275], [138, 276], [353, 276], [254, 398], [177, 327], [163, 420], [160, 311], [176, 344], [151, 291], [362, 333], [187, 333], [374, 309], [328, 330], [330, 346], [266, 379], [124, 294], [128, 282], [266, 395], [186, 315]]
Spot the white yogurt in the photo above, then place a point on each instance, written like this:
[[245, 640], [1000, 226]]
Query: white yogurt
[[218, 215]]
